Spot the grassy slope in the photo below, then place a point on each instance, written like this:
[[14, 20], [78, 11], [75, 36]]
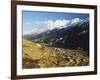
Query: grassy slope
[[37, 55]]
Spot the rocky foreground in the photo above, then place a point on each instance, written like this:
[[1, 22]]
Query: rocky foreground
[[37, 55]]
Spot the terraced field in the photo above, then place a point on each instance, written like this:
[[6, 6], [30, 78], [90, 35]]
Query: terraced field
[[38, 55]]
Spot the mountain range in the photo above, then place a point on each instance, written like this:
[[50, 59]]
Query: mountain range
[[75, 35]]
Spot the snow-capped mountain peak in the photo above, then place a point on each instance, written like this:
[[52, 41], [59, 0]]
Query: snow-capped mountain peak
[[75, 21]]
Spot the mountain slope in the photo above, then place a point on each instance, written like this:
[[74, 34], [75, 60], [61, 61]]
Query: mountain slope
[[38, 55], [75, 36]]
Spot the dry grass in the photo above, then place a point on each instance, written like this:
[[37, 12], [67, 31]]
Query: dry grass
[[37, 55]]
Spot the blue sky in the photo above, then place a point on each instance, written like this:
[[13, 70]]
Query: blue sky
[[33, 20]]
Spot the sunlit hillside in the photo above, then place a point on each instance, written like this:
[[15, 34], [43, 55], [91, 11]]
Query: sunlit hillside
[[38, 55]]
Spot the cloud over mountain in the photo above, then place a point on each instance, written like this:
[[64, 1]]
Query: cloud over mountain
[[57, 24], [51, 24]]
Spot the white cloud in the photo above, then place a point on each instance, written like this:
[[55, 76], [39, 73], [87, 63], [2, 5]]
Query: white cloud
[[57, 24], [51, 24], [34, 31]]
